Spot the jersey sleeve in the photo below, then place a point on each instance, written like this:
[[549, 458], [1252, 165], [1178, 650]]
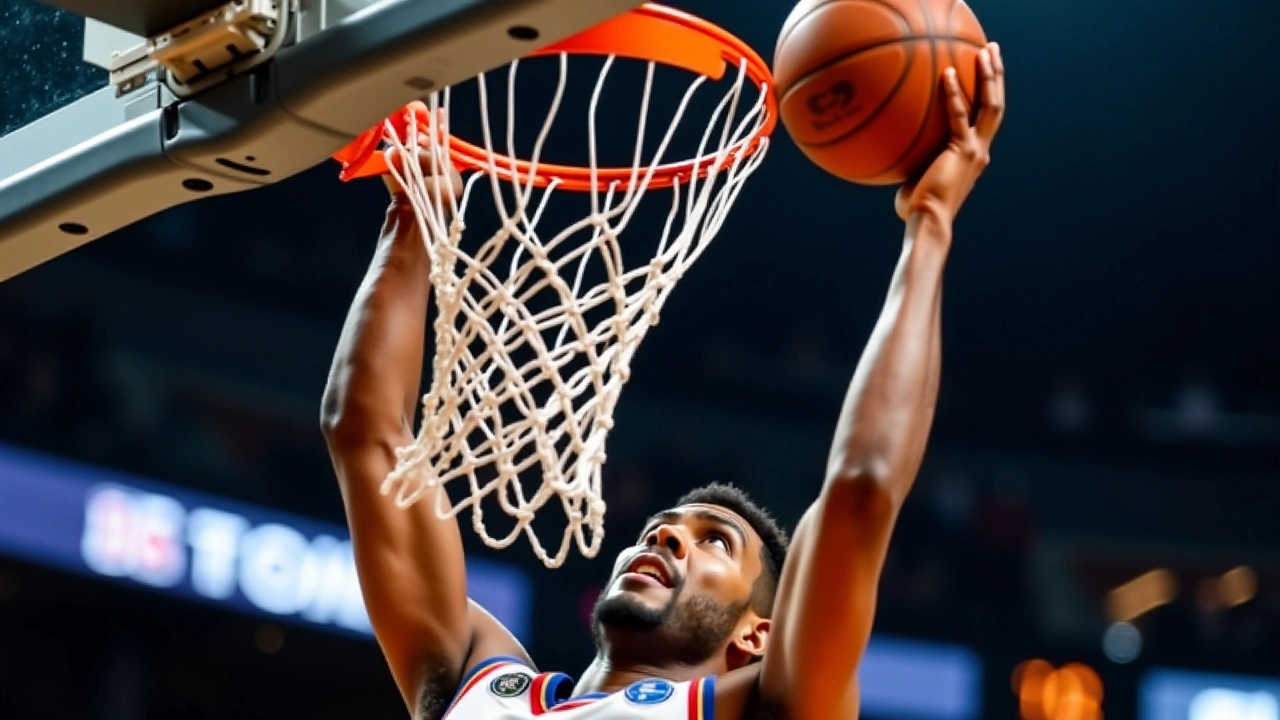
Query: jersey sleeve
[[483, 670]]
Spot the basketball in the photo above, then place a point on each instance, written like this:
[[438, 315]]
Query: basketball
[[859, 82]]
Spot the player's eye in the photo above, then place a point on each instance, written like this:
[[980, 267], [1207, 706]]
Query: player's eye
[[721, 539]]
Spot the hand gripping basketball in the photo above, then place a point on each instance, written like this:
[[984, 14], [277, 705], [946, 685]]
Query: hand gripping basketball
[[947, 182]]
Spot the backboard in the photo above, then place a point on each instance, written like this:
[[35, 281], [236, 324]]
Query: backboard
[[118, 109]]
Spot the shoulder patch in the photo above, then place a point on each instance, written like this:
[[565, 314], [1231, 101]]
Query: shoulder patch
[[649, 692], [510, 685]]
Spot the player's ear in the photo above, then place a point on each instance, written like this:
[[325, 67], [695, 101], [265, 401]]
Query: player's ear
[[750, 637]]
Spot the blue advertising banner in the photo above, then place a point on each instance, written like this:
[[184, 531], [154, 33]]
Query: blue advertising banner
[[96, 522], [1166, 694]]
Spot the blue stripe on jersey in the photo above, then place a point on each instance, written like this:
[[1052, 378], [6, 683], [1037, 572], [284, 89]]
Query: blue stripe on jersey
[[708, 698], [557, 689]]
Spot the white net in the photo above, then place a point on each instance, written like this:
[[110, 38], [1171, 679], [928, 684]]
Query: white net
[[531, 348]]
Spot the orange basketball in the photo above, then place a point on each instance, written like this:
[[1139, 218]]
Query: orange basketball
[[859, 82]]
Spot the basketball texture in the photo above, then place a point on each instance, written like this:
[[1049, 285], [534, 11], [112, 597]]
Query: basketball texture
[[859, 82]]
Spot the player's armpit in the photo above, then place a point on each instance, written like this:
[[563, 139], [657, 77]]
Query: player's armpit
[[412, 573], [443, 684]]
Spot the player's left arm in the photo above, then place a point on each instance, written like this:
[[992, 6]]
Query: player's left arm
[[826, 600]]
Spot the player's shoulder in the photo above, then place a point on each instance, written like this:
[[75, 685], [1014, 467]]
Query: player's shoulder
[[500, 671], [737, 696], [496, 677]]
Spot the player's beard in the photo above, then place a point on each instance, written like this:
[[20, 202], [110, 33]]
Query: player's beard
[[700, 624]]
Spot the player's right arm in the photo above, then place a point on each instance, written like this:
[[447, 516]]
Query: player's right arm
[[827, 594], [410, 562]]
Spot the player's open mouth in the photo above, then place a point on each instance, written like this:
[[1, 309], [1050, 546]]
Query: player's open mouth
[[651, 567]]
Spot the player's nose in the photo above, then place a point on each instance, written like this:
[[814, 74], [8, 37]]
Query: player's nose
[[670, 537]]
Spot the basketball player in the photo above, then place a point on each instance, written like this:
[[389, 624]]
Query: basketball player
[[708, 615]]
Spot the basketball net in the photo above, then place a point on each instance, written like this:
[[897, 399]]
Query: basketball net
[[522, 399]]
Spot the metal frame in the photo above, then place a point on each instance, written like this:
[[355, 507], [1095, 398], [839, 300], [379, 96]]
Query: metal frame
[[109, 160]]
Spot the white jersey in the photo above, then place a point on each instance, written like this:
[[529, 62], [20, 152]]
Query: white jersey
[[504, 688]]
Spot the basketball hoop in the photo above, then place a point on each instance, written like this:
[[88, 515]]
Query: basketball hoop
[[518, 388]]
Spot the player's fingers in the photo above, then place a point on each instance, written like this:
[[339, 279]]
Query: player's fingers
[[416, 167], [433, 127], [902, 200], [956, 108], [396, 170], [432, 140], [991, 68], [416, 151]]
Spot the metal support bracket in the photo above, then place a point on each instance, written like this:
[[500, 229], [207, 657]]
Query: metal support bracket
[[200, 52]]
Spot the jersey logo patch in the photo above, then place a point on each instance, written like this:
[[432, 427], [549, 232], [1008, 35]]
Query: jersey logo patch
[[510, 685], [649, 692]]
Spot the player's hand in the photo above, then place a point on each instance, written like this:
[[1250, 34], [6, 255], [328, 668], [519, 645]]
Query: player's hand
[[450, 182], [943, 188]]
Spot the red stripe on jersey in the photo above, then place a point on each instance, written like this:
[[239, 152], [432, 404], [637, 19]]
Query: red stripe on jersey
[[475, 679], [537, 700], [701, 699]]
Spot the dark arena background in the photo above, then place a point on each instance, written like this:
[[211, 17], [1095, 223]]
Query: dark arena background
[[1094, 533]]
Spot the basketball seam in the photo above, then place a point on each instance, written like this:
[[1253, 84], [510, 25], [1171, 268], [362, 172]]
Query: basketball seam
[[931, 108], [933, 91], [786, 32], [800, 76], [873, 46], [880, 108]]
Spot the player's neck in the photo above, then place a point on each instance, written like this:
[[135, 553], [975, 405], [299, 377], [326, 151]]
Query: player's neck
[[610, 674]]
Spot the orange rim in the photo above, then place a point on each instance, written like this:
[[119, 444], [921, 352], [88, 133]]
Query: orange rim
[[651, 32]]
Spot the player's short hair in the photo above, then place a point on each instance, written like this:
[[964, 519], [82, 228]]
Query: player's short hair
[[773, 550]]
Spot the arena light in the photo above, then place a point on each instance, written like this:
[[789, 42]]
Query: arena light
[[1222, 704], [1168, 694], [1072, 692], [1237, 586], [1141, 595], [1122, 643]]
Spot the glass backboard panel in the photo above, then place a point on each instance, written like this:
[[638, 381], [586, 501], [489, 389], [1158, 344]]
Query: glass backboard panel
[[43, 69]]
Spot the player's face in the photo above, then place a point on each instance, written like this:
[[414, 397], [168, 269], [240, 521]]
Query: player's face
[[690, 576]]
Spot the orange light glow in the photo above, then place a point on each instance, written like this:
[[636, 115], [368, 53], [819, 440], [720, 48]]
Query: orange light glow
[[1141, 595], [1072, 692]]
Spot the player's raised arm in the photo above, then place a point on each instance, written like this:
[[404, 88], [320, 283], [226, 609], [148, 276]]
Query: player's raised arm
[[410, 562], [827, 594]]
